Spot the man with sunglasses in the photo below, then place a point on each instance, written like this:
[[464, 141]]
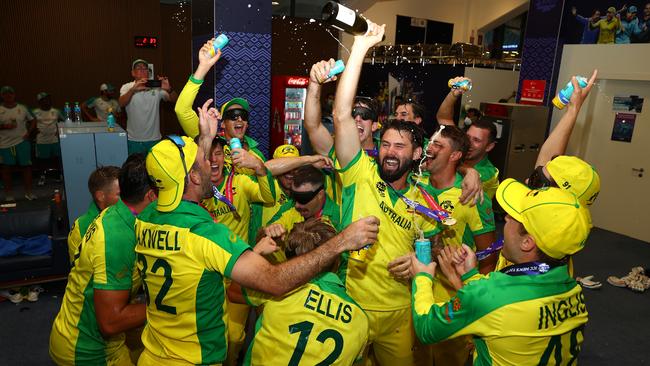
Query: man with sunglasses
[[142, 105], [379, 187], [308, 200], [234, 113], [96, 308], [184, 256]]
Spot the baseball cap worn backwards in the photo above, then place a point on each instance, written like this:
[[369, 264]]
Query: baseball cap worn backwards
[[240, 101], [285, 151], [554, 217], [106, 86], [7, 89], [166, 169], [41, 95], [576, 176]]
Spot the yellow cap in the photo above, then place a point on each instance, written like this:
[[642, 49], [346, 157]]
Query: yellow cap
[[576, 176], [165, 168], [286, 151], [558, 103], [552, 216]]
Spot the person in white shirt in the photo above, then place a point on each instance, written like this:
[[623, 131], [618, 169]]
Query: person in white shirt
[[16, 125], [96, 109], [48, 149], [142, 107]]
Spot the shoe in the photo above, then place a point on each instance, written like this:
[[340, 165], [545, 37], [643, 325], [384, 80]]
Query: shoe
[[588, 282], [30, 196], [10, 198], [13, 296], [41, 181], [33, 293]]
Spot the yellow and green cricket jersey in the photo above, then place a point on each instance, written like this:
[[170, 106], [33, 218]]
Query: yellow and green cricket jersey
[[489, 176], [79, 229], [105, 261], [514, 320], [189, 121], [318, 323], [470, 220], [246, 190], [183, 257], [365, 194], [289, 216]]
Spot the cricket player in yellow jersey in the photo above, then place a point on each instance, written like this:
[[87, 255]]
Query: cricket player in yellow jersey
[[184, 256], [96, 308], [535, 312], [377, 187], [474, 226], [325, 326], [104, 189]]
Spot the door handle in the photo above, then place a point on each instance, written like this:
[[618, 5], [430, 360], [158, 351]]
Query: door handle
[[639, 171], [534, 147], [520, 148]]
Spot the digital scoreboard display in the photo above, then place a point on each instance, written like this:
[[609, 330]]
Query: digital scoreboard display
[[146, 42]]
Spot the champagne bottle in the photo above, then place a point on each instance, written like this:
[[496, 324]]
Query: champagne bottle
[[344, 18]]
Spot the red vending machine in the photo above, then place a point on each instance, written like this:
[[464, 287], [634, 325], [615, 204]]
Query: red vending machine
[[288, 95]]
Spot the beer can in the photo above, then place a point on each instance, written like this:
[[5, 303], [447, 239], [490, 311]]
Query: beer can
[[423, 250], [360, 254]]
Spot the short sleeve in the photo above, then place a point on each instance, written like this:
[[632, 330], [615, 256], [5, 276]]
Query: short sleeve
[[113, 260], [125, 88], [255, 298], [357, 169], [220, 248]]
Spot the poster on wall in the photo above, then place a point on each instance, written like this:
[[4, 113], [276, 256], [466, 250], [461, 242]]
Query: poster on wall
[[532, 92], [623, 127], [629, 103], [606, 22]]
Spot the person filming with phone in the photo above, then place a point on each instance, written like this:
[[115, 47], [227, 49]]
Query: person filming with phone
[[141, 99]]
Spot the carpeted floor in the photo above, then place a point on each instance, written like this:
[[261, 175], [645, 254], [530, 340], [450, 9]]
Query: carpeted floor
[[614, 334]]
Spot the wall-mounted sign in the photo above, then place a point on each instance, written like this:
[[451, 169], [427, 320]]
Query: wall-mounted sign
[[532, 92]]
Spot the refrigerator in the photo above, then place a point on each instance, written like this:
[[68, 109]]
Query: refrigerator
[[521, 131], [288, 94]]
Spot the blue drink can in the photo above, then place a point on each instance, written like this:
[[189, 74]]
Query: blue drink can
[[219, 43], [338, 68], [234, 144], [423, 250]]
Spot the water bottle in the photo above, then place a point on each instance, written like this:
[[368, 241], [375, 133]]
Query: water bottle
[[67, 112], [110, 120], [564, 96], [77, 112], [338, 68], [464, 84], [234, 144], [344, 18], [218, 44]]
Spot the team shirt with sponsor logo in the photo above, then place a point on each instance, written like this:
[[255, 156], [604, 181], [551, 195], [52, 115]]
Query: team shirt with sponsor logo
[[365, 194]]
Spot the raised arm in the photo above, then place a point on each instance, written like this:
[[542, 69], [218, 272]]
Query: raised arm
[[445, 114], [558, 140], [253, 271], [320, 137], [186, 116], [346, 142], [281, 166]]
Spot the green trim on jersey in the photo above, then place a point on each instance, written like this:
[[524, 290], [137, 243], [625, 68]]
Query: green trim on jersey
[[89, 338], [210, 328]]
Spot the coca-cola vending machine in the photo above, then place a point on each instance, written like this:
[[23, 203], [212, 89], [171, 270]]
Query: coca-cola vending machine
[[288, 95]]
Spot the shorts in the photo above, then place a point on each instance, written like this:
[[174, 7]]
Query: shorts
[[21, 154], [46, 151], [147, 358], [140, 146], [393, 338]]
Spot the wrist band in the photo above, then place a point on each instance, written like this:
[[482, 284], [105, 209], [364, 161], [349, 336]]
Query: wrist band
[[195, 80]]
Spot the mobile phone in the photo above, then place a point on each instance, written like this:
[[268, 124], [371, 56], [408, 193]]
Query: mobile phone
[[153, 84]]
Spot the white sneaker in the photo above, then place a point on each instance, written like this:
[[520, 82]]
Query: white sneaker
[[41, 181], [30, 196], [32, 295], [13, 296]]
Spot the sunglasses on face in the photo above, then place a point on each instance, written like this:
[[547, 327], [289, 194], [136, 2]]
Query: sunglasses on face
[[538, 179], [232, 114], [305, 197], [180, 144], [364, 113]]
